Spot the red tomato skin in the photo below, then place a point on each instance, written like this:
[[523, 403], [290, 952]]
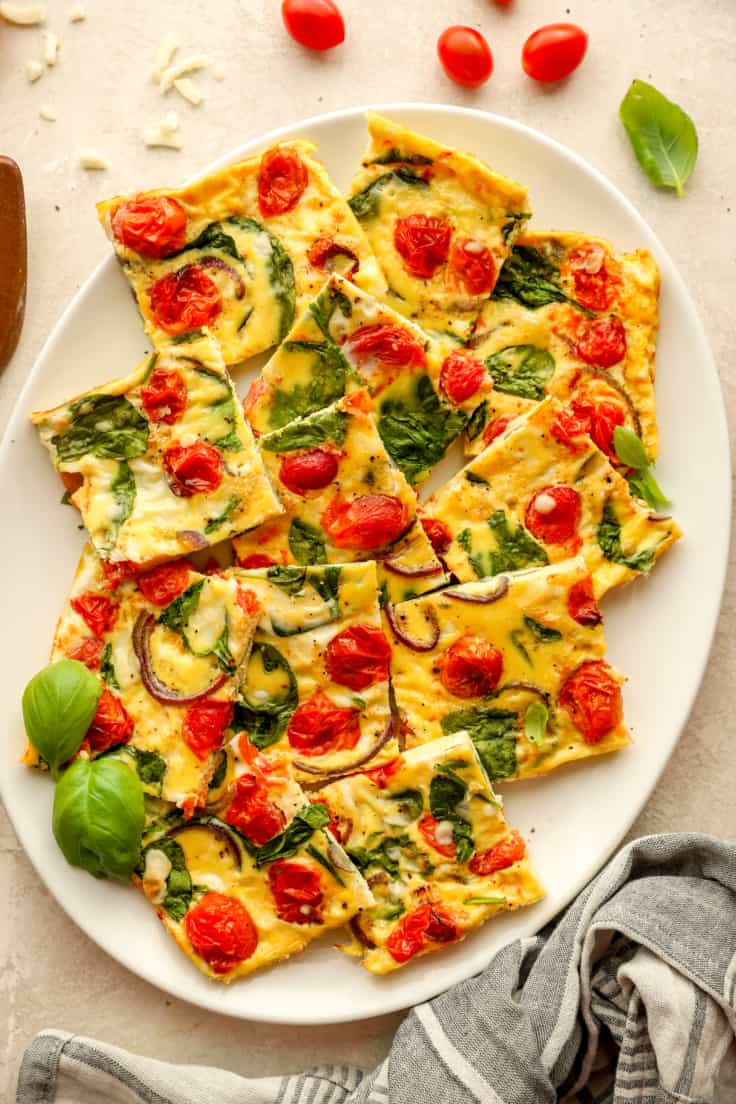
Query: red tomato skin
[[164, 583], [257, 559], [381, 776], [496, 427], [184, 300], [252, 813], [204, 726], [111, 724], [504, 854], [603, 342], [592, 697], [297, 892], [593, 289], [461, 375], [308, 471], [554, 51], [152, 226], [471, 667], [392, 346], [423, 243], [193, 469], [473, 264], [97, 610], [358, 657], [248, 601], [88, 652], [282, 180], [316, 24], [581, 603], [221, 931], [597, 419], [164, 397], [439, 534], [116, 573], [426, 924], [368, 521], [318, 726], [560, 524], [323, 250], [465, 56], [428, 828]]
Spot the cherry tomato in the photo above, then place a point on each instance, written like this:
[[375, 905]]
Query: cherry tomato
[[184, 300], [316, 24], [554, 51], [251, 812], [381, 776], [415, 930], [164, 583], [473, 264], [465, 56], [439, 534], [248, 601], [324, 251], [72, 481], [369, 521], [597, 419], [221, 931], [603, 342], [204, 726], [496, 427], [308, 471], [428, 826], [591, 268], [592, 697], [358, 657], [581, 603], [504, 854], [423, 243], [153, 226], [461, 375], [88, 652], [116, 573], [97, 610], [297, 892], [257, 559], [471, 667], [341, 827], [392, 346], [111, 724], [282, 179], [256, 392], [553, 514], [318, 726], [193, 469], [164, 397]]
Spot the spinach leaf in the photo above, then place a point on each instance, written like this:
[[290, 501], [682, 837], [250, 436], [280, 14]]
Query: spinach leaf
[[289, 579], [493, 732], [515, 548], [542, 632], [473, 477], [149, 765], [522, 370], [535, 722], [123, 491], [265, 721], [530, 279], [662, 135], [220, 771], [394, 156], [642, 483], [325, 862], [446, 791], [306, 542], [326, 425], [108, 426], [515, 638], [294, 836], [212, 237], [515, 221], [477, 421], [216, 522], [367, 203], [325, 305], [58, 706], [187, 338], [327, 386], [107, 668], [608, 536], [327, 584], [410, 802], [179, 883], [380, 854], [417, 430], [178, 612], [98, 817], [279, 269]]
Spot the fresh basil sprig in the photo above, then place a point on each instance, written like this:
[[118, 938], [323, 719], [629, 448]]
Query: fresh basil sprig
[[631, 452], [663, 136], [58, 706]]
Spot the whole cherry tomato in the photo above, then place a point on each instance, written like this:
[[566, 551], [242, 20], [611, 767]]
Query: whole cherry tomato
[[423, 243], [88, 652], [471, 667], [472, 263], [553, 514], [392, 346], [554, 51], [97, 610], [153, 226], [581, 603], [316, 24], [193, 469], [252, 813], [603, 342], [439, 534], [184, 300], [592, 697], [282, 179], [204, 726], [368, 521], [297, 892], [221, 931], [591, 268], [164, 396], [419, 928], [111, 724], [461, 375], [465, 56], [318, 726], [504, 854], [428, 826], [358, 657], [308, 471], [164, 583]]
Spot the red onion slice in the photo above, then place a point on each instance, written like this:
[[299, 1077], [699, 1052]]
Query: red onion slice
[[330, 773], [360, 935], [223, 833], [408, 641], [194, 539], [480, 599], [412, 572], [529, 687], [141, 637], [223, 266]]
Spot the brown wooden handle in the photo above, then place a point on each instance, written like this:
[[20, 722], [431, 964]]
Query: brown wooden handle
[[13, 258]]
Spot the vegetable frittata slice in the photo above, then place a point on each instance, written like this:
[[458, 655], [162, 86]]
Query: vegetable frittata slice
[[571, 317], [440, 222], [241, 250], [429, 835], [517, 661], [162, 461], [316, 684], [542, 492], [344, 500], [168, 645]]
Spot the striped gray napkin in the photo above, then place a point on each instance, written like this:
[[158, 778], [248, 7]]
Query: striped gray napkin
[[631, 997]]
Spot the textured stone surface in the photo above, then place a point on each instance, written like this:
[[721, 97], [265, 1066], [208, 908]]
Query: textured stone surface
[[51, 974]]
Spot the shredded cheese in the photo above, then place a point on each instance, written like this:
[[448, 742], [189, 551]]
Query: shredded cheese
[[23, 15], [47, 112], [34, 70], [50, 47], [181, 68], [189, 91], [170, 43], [93, 161], [164, 134]]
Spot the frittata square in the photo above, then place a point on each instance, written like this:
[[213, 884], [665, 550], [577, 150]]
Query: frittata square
[[429, 835], [571, 317], [162, 461], [517, 661], [540, 493], [440, 222], [241, 251]]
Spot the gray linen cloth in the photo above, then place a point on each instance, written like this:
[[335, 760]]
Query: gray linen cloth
[[631, 997]]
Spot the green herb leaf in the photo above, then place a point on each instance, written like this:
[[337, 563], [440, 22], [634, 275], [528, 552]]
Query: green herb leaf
[[179, 883], [446, 791], [477, 421], [631, 452], [58, 706], [325, 862], [379, 855], [541, 632], [187, 338], [212, 237], [529, 278], [325, 425], [418, 429], [293, 838], [493, 732], [472, 477], [515, 638], [123, 489], [608, 535], [522, 370], [367, 203], [216, 522], [108, 426], [410, 803], [535, 722], [107, 668], [326, 581], [220, 771], [662, 135], [484, 901], [395, 156], [515, 548], [178, 612], [279, 269], [265, 721], [306, 542], [514, 224]]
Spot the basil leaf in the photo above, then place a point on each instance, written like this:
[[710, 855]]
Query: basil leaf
[[107, 668], [515, 548], [294, 836], [417, 430], [535, 722], [265, 721], [108, 426], [326, 386], [522, 370], [326, 425], [325, 305], [410, 802], [631, 452], [379, 855], [306, 542], [59, 704], [608, 535], [289, 579], [367, 203], [98, 817], [179, 883], [662, 135], [542, 632], [178, 612], [493, 732]]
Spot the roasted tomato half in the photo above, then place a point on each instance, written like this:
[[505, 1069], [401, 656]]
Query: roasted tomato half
[[221, 931], [319, 726], [111, 724], [592, 697], [282, 180], [423, 243], [368, 521], [358, 657], [204, 724], [553, 514], [471, 667], [153, 226], [417, 930], [253, 813], [193, 469], [164, 583], [504, 854], [185, 300], [296, 888]]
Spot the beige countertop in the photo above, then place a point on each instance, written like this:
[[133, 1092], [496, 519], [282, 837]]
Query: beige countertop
[[52, 975]]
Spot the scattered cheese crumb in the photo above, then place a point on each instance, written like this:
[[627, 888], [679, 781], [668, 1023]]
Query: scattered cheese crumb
[[77, 14], [93, 161], [218, 72], [50, 47], [170, 122], [188, 89], [46, 112], [170, 43], [180, 69], [34, 70], [23, 15], [164, 134]]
